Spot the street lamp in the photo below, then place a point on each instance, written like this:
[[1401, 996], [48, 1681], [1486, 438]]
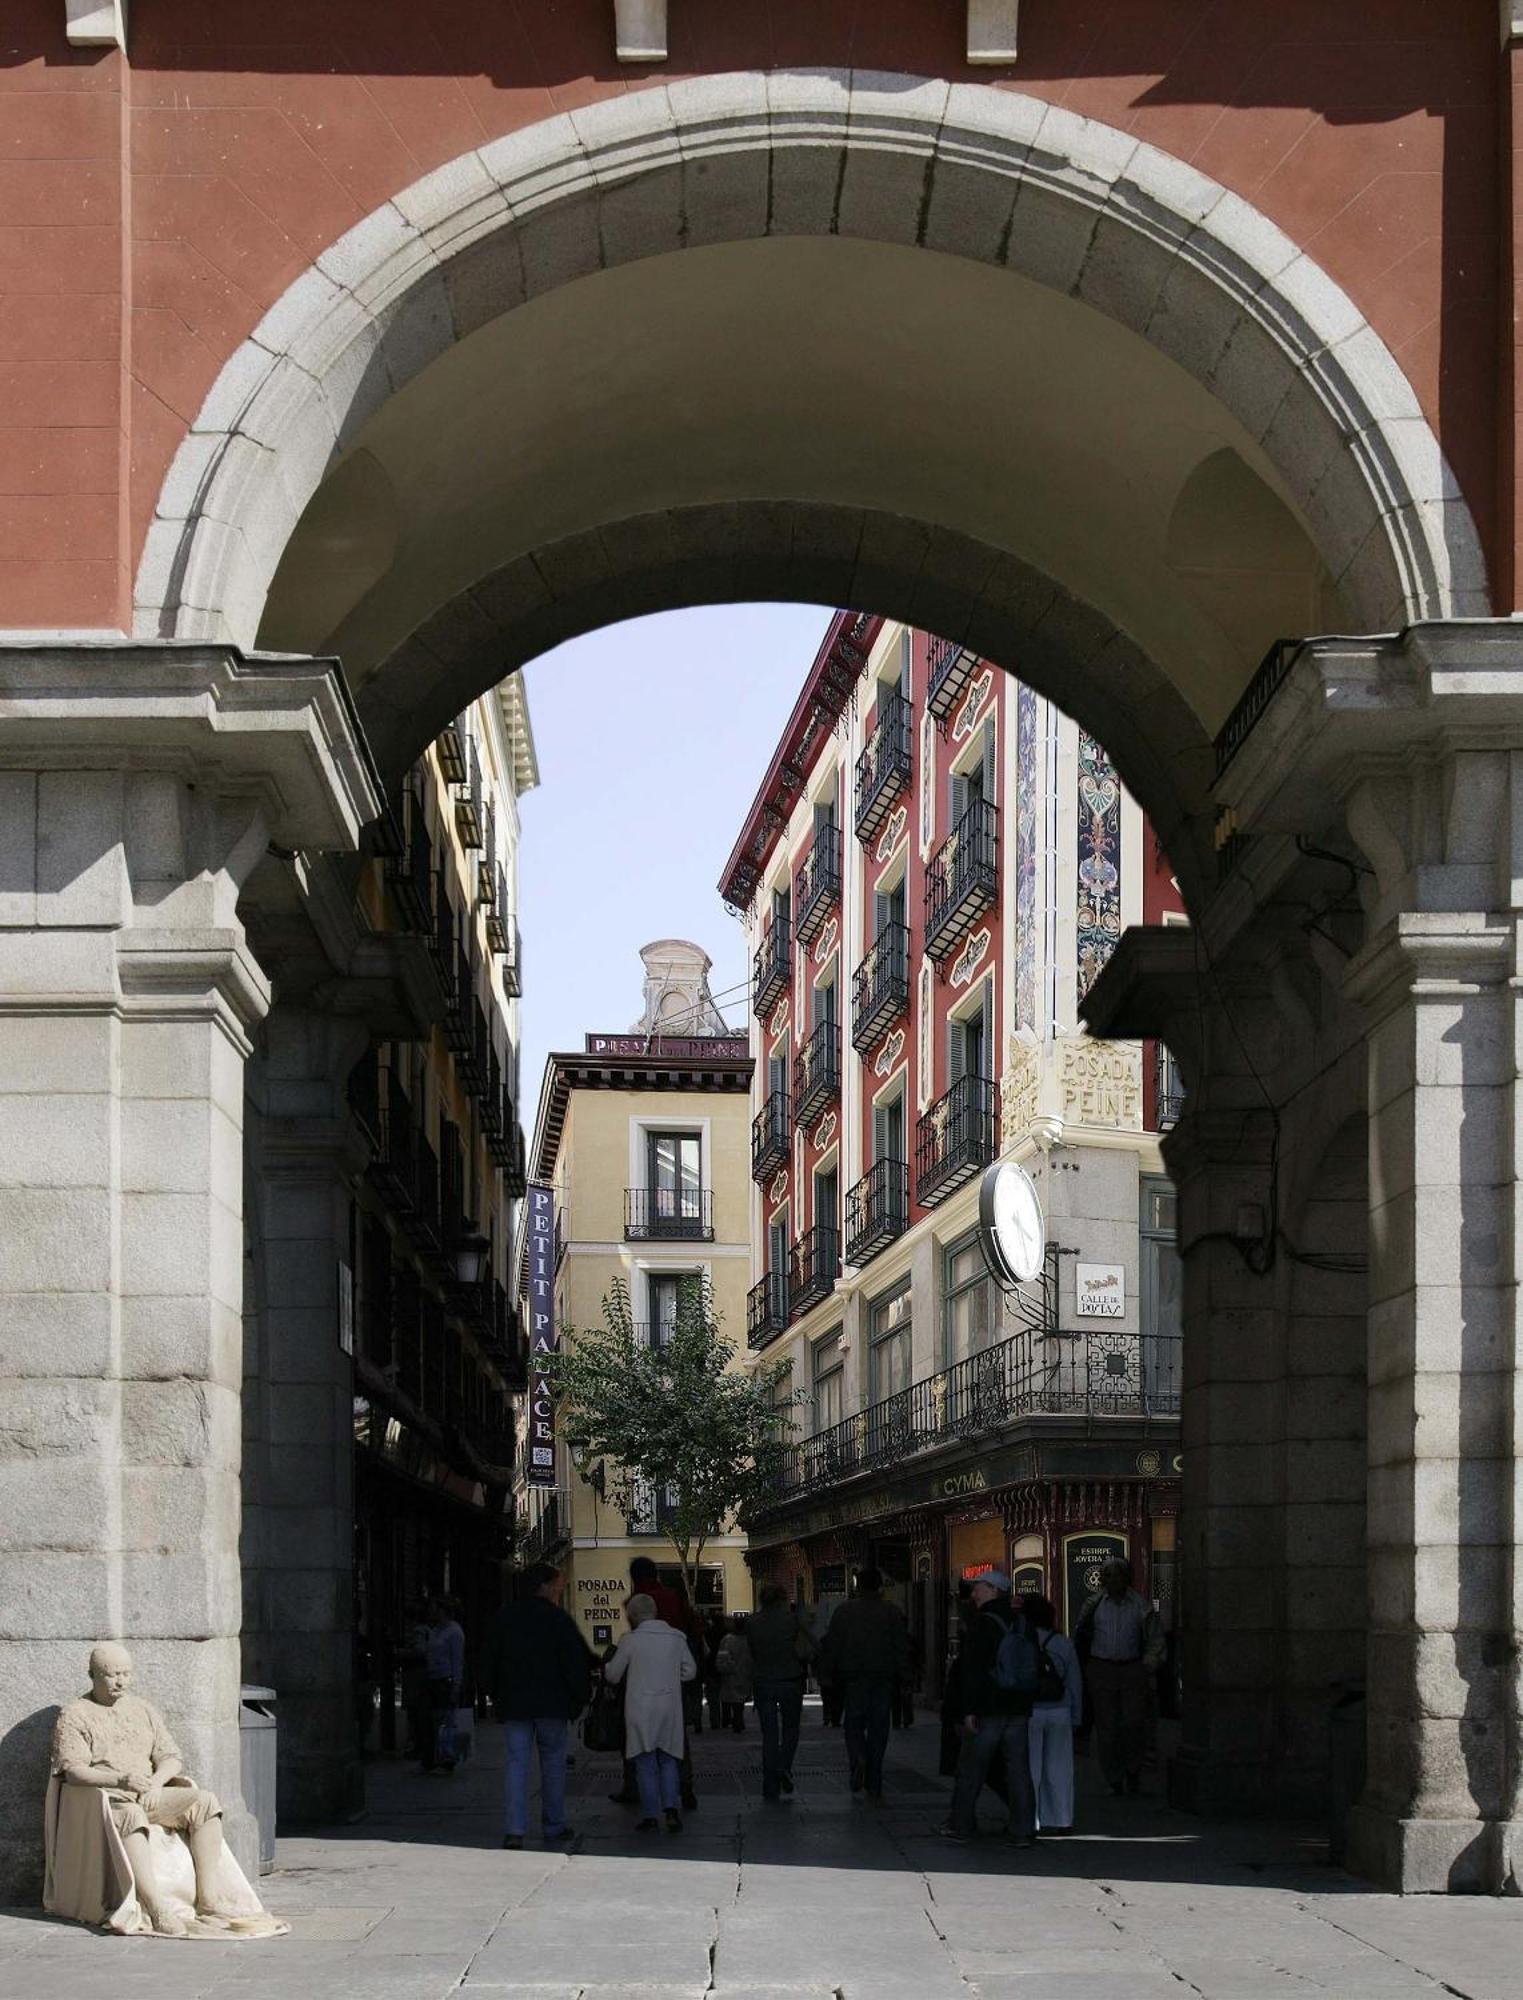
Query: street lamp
[[470, 1253]]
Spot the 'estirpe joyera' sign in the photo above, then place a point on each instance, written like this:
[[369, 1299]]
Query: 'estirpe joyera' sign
[[540, 1224]]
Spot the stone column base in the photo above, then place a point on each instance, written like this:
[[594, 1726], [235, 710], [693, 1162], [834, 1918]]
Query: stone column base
[[1431, 1857]]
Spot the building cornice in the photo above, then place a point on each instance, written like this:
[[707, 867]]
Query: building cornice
[[573, 1070]]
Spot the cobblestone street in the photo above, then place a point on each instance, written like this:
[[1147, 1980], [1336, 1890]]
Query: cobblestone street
[[826, 1896]]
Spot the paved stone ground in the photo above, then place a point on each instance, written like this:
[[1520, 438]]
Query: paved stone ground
[[824, 1899]]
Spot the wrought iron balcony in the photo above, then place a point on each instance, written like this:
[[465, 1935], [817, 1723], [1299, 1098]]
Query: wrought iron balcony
[[813, 1267], [410, 874], [663, 1215], [818, 888], [963, 879], [767, 1310], [949, 669], [442, 941], [424, 1221], [1102, 1376], [880, 987], [877, 1210], [883, 769], [771, 1136], [1168, 1087], [957, 1136], [770, 966], [470, 821], [817, 1072], [550, 1532], [515, 1169], [450, 745]]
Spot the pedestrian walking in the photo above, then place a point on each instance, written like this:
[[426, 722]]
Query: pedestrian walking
[[652, 1661], [1056, 1713], [714, 1628], [1123, 1637], [444, 1673], [674, 1611], [781, 1648], [539, 1674], [999, 1668], [866, 1652], [735, 1679]]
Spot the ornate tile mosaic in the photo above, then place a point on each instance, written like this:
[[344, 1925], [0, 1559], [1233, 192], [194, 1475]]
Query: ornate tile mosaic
[[1099, 904]]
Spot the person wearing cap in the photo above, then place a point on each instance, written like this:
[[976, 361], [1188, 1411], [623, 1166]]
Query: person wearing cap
[[996, 1720]]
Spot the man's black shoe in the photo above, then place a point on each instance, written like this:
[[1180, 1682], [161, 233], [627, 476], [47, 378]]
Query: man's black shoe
[[514, 1840], [787, 1784], [858, 1777]]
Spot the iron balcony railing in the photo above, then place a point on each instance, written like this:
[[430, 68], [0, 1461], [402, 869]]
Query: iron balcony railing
[[883, 769], [949, 669], [771, 1136], [769, 967], [411, 873], [767, 1309], [1097, 1376], [877, 1210], [880, 987], [957, 1136], [813, 1267], [963, 878], [652, 1511], [469, 818], [547, 1533], [1168, 1085], [668, 1214], [817, 1072], [818, 888], [515, 1168]]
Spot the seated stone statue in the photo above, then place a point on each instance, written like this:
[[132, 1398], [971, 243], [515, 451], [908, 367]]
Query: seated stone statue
[[132, 1842]]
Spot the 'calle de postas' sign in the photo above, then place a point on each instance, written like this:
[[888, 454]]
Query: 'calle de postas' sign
[[1100, 1291]]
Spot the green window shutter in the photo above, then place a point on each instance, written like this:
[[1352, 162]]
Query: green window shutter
[[959, 797], [957, 1052], [989, 792], [987, 1065], [880, 1132]]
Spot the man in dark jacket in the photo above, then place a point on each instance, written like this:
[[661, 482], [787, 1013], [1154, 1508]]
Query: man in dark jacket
[[996, 1720], [539, 1672], [866, 1649], [780, 1647]]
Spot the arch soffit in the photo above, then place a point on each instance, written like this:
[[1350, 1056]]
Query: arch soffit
[[961, 168]]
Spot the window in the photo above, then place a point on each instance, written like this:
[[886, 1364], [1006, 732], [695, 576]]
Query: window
[[970, 1040], [673, 1176], [782, 905], [829, 1364], [889, 1343], [824, 815], [777, 1243], [888, 908], [822, 1004], [888, 1128], [975, 781], [827, 1199], [1162, 1279], [672, 1294], [777, 1074], [971, 1302]]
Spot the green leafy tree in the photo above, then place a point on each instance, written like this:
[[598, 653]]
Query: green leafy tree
[[674, 1419]]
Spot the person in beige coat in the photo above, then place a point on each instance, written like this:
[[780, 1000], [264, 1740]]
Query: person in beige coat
[[653, 1661]]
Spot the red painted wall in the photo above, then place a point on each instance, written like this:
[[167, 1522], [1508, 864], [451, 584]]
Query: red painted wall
[[149, 216]]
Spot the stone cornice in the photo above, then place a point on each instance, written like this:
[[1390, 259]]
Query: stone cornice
[[282, 729], [173, 974], [1434, 955]]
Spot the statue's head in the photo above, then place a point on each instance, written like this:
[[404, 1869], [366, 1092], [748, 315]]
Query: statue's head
[[110, 1672]]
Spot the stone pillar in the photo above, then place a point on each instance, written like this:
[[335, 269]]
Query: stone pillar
[[298, 1417], [139, 786]]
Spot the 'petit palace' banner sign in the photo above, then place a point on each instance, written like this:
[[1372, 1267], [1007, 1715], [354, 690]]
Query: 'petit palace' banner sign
[[540, 1222]]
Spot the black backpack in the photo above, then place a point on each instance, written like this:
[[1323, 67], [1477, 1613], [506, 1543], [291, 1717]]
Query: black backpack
[[1050, 1684]]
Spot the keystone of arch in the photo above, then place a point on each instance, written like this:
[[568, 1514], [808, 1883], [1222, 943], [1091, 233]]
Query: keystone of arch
[[960, 168]]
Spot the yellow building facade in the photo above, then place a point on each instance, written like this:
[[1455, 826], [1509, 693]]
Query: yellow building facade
[[644, 1138]]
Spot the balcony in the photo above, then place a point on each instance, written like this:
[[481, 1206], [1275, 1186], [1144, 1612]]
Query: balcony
[[515, 1169], [818, 888], [410, 874], [770, 966], [813, 1267], [877, 1210], [962, 880], [771, 1138], [550, 1532], [950, 667], [1168, 1088], [1099, 1377], [470, 819], [956, 1137], [450, 744], [767, 1310], [817, 1072], [669, 1215], [883, 769], [880, 988]]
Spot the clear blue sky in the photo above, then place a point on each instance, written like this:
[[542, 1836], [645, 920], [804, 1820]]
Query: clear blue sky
[[652, 739]]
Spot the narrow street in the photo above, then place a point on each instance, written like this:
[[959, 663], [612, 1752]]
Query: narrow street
[[825, 1897]]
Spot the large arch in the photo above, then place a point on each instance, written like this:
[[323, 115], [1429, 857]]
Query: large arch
[[971, 176]]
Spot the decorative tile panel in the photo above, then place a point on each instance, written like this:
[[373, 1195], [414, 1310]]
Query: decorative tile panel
[[1099, 902]]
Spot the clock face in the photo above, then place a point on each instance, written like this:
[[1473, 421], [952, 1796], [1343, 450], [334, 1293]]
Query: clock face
[[1014, 1231]]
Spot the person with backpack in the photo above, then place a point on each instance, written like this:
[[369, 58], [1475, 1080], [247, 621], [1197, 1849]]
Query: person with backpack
[[1124, 1639], [1056, 1713], [1000, 1670]]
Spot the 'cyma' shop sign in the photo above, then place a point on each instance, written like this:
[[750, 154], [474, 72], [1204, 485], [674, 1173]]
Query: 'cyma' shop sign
[[540, 1222]]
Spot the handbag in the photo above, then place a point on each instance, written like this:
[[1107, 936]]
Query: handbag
[[603, 1724]]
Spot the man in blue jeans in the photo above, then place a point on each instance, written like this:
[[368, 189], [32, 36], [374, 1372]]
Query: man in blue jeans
[[539, 1672], [866, 1650], [996, 1720], [780, 1648]]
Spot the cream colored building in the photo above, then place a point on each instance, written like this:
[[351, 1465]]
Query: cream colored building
[[644, 1136]]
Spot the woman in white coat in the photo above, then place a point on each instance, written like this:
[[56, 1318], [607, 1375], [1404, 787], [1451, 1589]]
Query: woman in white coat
[[653, 1661], [1051, 1731]]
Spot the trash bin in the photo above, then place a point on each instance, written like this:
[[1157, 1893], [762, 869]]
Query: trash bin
[[256, 1741]]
